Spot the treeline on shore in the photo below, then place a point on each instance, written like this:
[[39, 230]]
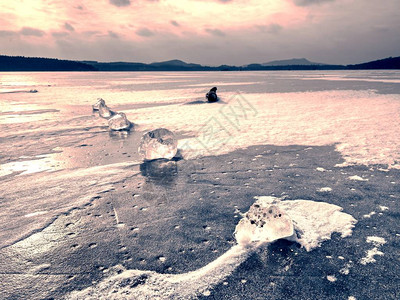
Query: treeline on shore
[[21, 63]]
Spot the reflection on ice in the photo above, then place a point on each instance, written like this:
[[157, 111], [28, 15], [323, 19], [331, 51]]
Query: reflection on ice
[[160, 170], [45, 162]]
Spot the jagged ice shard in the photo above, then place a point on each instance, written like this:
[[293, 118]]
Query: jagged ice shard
[[104, 111], [158, 143], [119, 122], [264, 222], [100, 102]]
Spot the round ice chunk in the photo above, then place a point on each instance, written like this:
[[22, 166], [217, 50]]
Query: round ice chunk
[[100, 102], [264, 222], [104, 111], [119, 122], [158, 143]]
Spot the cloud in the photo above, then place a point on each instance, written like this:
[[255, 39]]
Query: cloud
[[120, 3], [4, 33], [31, 31], [144, 32], [310, 2], [91, 33], [272, 28], [175, 23], [215, 32], [113, 34], [69, 27], [59, 34]]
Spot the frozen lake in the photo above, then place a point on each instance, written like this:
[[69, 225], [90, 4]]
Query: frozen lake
[[79, 207]]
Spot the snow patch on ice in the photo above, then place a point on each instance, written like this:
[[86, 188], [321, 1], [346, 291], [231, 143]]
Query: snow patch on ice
[[383, 208], [315, 222], [369, 215], [325, 189], [331, 278], [377, 242], [37, 213], [357, 178]]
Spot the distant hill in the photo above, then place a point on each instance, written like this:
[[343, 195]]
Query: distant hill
[[21, 63], [175, 63], [170, 65], [386, 63], [117, 66], [291, 62]]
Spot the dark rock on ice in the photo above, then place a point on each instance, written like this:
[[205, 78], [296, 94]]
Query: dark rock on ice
[[212, 95]]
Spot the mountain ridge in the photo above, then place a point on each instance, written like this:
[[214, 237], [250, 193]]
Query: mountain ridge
[[291, 62], [21, 63]]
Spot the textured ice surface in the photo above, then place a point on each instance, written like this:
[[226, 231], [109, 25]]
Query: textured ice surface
[[261, 224], [119, 122], [158, 143], [356, 114], [100, 102], [57, 192]]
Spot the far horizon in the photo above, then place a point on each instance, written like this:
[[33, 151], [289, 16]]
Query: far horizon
[[208, 32]]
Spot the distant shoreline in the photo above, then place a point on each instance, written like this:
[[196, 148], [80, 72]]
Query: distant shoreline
[[37, 64]]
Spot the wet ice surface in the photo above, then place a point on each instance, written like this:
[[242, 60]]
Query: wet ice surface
[[185, 220], [77, 200]]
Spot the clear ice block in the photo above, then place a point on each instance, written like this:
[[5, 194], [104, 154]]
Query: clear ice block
[[100, 102], [158, 143], [104, 111], [119, 122]]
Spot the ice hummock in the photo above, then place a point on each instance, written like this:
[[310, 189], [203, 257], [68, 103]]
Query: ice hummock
[[158, 143], [100, 102], [314, 221], [119, 122]]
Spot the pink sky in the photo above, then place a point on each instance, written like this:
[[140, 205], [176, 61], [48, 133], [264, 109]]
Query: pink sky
[[201, 31]]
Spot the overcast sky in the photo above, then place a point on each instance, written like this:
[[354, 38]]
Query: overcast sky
[[209, 32]]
